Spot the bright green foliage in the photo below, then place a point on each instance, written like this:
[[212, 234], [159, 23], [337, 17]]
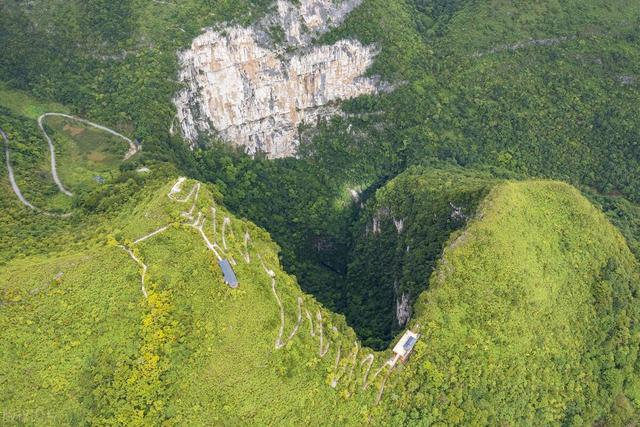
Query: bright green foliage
[[398, 238], [531, 317], [55, 330], [470, 88], [83, 153], [534, 325], [88, 157], [192, 352], [22, 104]]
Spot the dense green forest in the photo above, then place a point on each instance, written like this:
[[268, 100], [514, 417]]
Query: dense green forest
[[561, 290], [468, 99], [482, 92], [471, 90], [549, 336], [398, 240]]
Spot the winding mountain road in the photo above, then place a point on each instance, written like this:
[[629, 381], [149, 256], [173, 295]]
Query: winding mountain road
[[14, 184], [150, 235], [142, 265], [368, 358], [339, 373], [247, 256], [133, 149], [348, 372], [12, 178]]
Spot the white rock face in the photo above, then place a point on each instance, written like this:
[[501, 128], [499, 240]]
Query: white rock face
[[254, 95], [314, 16], [403, 310], [399, 223]]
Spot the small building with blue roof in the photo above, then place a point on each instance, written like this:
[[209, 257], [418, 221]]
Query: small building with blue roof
[[404, 347], [230, 278]]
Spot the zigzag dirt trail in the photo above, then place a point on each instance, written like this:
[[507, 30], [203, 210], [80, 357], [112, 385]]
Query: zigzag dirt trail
[[345, 372]]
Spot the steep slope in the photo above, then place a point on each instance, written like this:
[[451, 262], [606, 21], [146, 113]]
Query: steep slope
[[531, 318], [141, 327], [514, 85], [254, 86], [399, 236]]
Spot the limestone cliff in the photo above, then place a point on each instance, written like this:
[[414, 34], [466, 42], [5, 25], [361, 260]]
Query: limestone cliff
[[242, 86], [403, 310]]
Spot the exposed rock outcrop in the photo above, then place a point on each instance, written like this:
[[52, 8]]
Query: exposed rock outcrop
[[399, 223], [310, 17], [243, 87], [403, 310], [457, 213]]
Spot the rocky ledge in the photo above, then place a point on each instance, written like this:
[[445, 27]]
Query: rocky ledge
[[253, 92]]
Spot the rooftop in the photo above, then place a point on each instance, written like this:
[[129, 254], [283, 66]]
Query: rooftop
[[406, 343], [229, 275]]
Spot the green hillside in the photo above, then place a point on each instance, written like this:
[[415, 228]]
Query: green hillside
[[529, 318], [490, 199], [84, 342], [517, 328], [399, 236]]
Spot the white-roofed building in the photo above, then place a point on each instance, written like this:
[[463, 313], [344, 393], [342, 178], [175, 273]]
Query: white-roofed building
[[404, 347]]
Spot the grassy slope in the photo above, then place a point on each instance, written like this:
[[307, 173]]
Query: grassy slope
[[231, 370], [54, 331], [526, 314], [217, 359], [23, 104], [85, 152], [508, 325], [28, 147], [529, 111]]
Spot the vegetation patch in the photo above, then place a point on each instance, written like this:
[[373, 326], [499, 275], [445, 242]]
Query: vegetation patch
[[85, 153], [531, 318], [399, 236]]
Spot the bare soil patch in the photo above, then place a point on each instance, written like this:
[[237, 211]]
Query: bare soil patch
[[73, 130]]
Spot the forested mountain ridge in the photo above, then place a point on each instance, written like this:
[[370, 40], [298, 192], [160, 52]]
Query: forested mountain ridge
[[419, 205], [497, 341], [135, 324], [397, 240]]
